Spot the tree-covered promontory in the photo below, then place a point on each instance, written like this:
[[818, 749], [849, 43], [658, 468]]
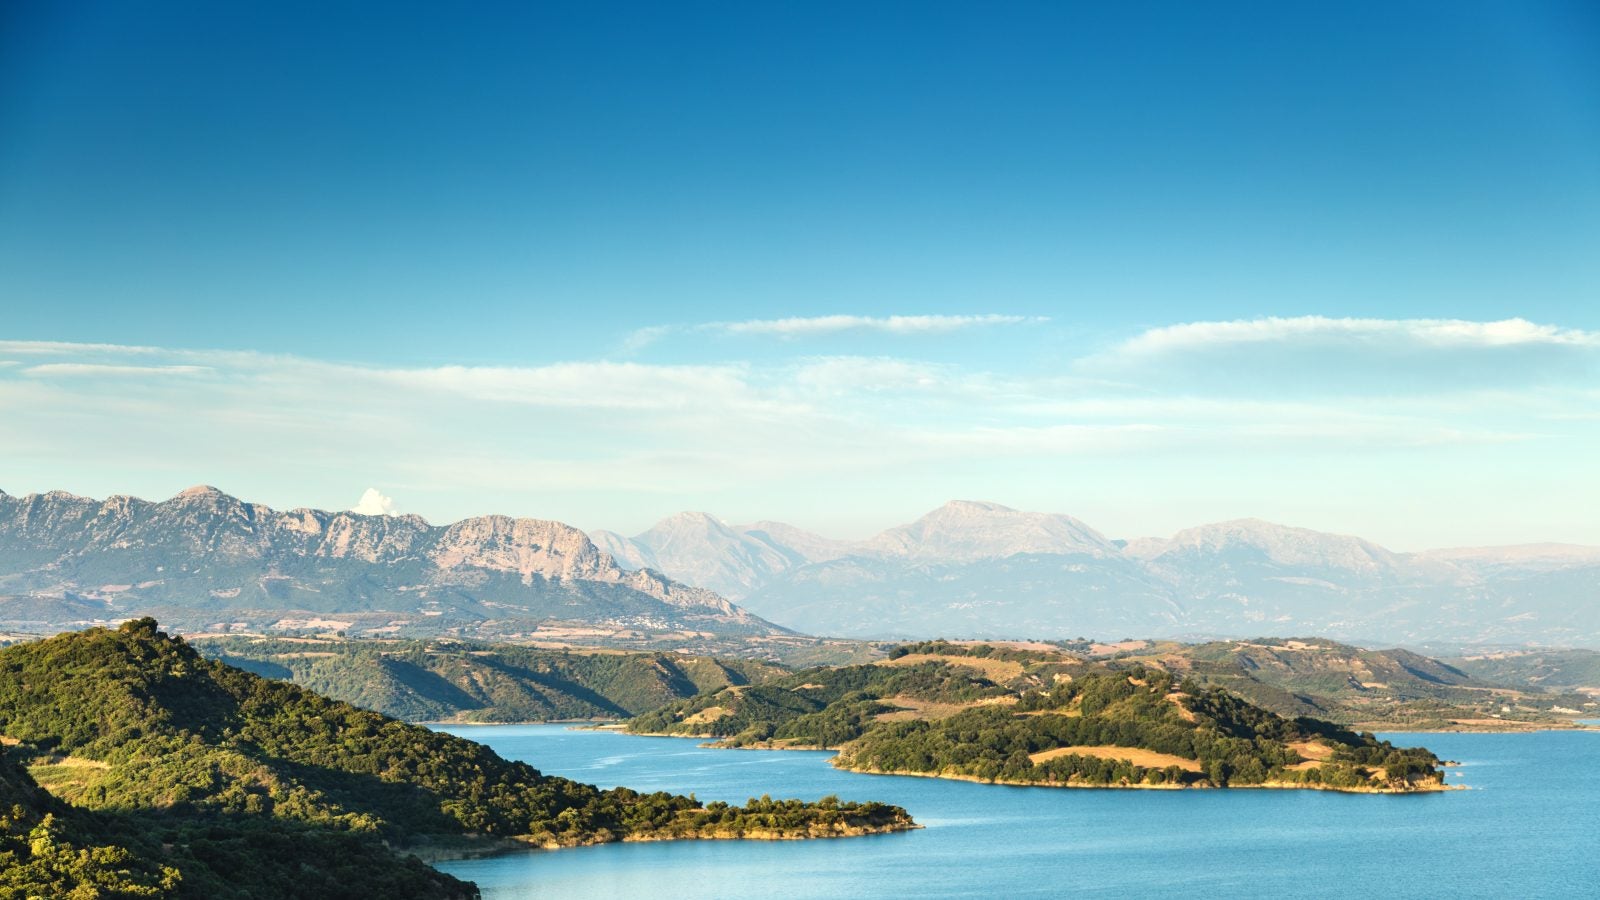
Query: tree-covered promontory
[[1020, 717], [247, 787]]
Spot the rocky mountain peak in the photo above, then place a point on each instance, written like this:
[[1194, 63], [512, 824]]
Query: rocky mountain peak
[[688, 526], [972, 507], [528, 547]]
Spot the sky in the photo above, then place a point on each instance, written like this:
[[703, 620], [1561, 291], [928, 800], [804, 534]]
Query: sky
[[1149, 264]]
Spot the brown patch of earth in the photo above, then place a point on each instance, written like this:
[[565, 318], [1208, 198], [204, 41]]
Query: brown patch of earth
[[1148, 759], [996, 670]]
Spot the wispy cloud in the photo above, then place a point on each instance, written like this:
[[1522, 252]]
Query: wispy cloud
[[1440, 333], [57, 348], [795, 327], [92, 370], [593, 385], [1319, 356], [813, 326]]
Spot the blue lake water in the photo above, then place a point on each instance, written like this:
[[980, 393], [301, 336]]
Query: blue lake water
[[1529, 827]]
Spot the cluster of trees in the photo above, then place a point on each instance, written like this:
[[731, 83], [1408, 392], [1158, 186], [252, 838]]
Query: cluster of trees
[[227, 772], [429, 681]]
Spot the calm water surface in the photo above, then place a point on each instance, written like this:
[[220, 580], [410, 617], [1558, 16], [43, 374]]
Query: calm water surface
[[1530, 827]]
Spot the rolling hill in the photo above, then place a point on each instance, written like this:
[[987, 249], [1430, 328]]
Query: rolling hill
[[1389, 689]]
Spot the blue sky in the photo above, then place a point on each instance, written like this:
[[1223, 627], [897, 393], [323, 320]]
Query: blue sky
[[1150, 264]]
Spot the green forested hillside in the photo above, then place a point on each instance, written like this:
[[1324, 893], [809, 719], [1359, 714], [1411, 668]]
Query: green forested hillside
[[248, 787], [437, 681], [1042, 718], [47, 849]]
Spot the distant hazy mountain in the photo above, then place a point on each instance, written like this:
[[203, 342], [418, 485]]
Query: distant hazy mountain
[[974, 569], [204, 557], [964, 531], [731, 560]]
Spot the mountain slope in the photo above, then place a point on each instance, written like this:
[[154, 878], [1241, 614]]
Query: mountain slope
[[276, 789], [204, 557]]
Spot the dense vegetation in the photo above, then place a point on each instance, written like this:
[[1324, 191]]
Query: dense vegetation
[[998, 714], [246, 787], [47, 849], [435, 681]]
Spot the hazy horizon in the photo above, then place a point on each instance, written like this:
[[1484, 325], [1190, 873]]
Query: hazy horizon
[[374, 502]]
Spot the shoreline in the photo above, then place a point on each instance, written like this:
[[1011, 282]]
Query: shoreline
[[1442, 787], [618, 725], [1269, 785], [597, 723]]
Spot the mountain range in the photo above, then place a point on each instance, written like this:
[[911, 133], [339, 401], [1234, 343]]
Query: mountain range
[[982, 570], [204, 560], [207, 560]]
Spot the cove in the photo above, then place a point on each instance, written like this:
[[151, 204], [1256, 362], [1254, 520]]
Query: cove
[[1526, 828]]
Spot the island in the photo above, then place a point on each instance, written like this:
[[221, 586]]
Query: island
[[133, 766], [1042, 717]]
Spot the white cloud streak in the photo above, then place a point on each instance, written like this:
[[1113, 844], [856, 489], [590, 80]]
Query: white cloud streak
[[797, 327], [1422, 333], [813, 326], [93, 370]]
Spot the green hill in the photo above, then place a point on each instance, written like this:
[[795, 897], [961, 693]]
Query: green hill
[[1538, 670], [248, 787], [1326, 679], [1026, 717], [454, 681]]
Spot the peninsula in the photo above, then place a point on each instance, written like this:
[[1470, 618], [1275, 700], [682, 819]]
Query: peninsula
[[1041, 717]]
